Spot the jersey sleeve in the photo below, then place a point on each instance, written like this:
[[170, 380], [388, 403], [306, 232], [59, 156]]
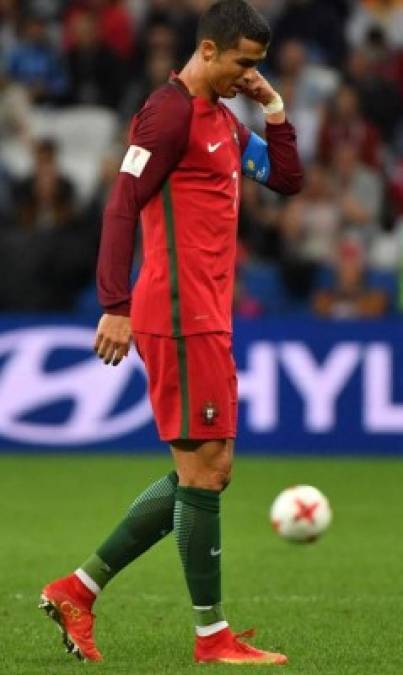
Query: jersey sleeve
[[158, 139], [286, 172], [273, 161]]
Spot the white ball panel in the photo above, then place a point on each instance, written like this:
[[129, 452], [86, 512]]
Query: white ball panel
[[300, 513]]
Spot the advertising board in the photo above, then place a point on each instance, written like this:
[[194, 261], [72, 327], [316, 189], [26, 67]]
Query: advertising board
[[305, 386]]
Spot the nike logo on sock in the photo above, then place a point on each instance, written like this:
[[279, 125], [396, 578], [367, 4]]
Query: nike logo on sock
[[214, 551]]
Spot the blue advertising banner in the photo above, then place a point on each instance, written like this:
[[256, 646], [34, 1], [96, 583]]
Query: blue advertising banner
[[305, 386]]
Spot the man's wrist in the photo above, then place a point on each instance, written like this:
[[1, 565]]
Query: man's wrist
[[276, 105], [120, 309]]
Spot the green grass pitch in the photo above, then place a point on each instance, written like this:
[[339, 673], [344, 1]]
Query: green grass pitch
[[335, 607]]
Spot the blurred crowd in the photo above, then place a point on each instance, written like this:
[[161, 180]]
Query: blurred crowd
[[72, 74]]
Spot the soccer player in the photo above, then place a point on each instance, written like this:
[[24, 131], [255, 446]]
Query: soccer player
[[182, 174]]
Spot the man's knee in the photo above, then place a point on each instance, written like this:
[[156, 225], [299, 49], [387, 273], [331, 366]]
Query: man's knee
[[227, 480], [208, 478], [219, 478], [222, 476], [208, 468]]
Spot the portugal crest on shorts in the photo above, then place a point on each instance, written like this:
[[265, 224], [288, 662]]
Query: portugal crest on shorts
[[209, 413]]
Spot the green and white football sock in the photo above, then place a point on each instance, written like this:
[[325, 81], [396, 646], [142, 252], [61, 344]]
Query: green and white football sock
[[209, 620], [94, 573], [197, 531], [149, 519]]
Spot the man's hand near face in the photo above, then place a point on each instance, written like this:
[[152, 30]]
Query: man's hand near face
[[113, 338], [256, 87]]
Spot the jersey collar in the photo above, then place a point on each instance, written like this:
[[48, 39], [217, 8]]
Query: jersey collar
[[175, 80]]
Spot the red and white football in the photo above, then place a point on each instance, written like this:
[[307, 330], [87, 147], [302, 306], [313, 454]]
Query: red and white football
[[300, 513]]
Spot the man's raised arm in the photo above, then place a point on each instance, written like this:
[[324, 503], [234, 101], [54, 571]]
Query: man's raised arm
[[274, 162]]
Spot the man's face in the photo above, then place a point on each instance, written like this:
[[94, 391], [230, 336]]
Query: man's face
[[228, 71]]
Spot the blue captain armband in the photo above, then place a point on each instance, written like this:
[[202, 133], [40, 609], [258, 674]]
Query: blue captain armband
[[255, 159]]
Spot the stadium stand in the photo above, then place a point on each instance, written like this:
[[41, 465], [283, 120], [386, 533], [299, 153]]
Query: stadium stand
[[339, 68]]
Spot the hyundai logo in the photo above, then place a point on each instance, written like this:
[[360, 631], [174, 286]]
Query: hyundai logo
[[34, 376]]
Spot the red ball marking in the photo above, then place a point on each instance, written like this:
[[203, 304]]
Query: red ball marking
[[275, 525], [305, 511]]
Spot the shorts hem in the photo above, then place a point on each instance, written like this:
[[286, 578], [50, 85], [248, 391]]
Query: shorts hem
[[217, 435]]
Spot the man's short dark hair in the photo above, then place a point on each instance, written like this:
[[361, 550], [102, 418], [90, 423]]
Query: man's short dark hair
[[227, 21]]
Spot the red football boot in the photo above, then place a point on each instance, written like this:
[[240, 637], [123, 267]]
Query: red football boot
[[226, 647], [68, 602]]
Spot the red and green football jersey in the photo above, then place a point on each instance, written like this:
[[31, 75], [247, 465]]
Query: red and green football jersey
[[182, 174]]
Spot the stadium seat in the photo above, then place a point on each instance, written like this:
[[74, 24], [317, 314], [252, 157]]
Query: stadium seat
[[84, 134], [324, 277], [87, 300], [263, 282], [386, 281], [382, 280]]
